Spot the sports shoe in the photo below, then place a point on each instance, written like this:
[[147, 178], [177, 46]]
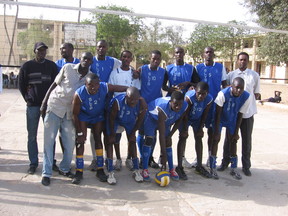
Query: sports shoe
[[77, 178], [31, 170], [222, 167], [214, 174], [194, 163], [67, 174], [246, 171], [185, 163], [93, 165], [111, 178], [45, 181], [202, 171], [118, 165], [129, 164], [235, 174], [180, 171], [100, 174], [146, 175], [174, 175], [153, 164], [137, 176], [55, 168]]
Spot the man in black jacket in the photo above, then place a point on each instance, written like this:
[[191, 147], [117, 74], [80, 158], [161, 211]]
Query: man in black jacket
[[35, 78]]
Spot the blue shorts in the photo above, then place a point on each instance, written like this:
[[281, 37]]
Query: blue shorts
[[128, 127], [151, 125]]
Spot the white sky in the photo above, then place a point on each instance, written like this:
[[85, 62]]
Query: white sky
[[208, 10]]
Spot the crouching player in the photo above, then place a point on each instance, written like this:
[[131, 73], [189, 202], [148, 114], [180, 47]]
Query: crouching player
[[126, 110], [88, 109], [231, 103], [199, 102], [162, 114]]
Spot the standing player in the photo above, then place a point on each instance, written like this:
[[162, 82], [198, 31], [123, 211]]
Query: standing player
[[126, 110], [123, 76], [215, 75], [66, 50], [35, 78], [88, 108], [162, 114], [151, 77], [57, 103], [102, 66], [232, 102], [252, 85], [199, 102], [180, 76]]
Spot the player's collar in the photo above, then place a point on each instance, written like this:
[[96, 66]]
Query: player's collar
[[150, 67]]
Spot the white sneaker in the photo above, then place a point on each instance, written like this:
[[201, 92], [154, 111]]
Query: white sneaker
[[129, 164], [111, 178], [185, 163], [137, 176], [194, 163], [118, 164], [93, 165]]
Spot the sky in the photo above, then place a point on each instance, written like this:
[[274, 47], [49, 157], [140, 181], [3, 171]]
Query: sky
[[208, 10]]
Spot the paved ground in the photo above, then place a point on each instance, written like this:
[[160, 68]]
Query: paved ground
[[265, 193]]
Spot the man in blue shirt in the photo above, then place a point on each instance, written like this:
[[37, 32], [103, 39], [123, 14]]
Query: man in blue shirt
[[163, 113], [231, 103], [66, 50]]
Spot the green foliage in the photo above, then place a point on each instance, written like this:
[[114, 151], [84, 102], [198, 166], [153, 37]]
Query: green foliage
[[34, 34], [120, 31], [225, 40], [272, 14]]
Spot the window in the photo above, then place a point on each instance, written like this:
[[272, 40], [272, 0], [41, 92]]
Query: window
[[21, 25]]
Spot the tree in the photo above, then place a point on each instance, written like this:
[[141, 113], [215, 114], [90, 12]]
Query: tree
[[34, 34], [120, 31], [272, 14]]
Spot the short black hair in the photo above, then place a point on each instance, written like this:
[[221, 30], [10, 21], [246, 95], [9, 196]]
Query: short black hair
[[239, 80], [70, 45], [242, 53], [126, 51], [92, 76], [156, 52], [177, 95], [203, 86]]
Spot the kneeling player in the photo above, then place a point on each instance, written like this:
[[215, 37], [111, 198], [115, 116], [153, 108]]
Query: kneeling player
[[126, 110], [162, 114], [231, 103], [199, 102]]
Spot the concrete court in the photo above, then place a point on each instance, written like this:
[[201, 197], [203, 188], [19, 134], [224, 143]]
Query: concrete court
[[265, 193]]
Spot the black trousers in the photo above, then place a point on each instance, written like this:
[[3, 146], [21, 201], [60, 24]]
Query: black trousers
[[246, 129]]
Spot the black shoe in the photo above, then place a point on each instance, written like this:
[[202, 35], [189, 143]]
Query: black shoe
[[101, 175], [153, 164], [68, 174], [246, 171], [31, 170], [55, 168], [222, 167], [45, 181], [202, 171], [180, 171], [77, 178]]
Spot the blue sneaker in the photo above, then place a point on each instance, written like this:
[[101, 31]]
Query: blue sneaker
[[146, 175], [174, 175]]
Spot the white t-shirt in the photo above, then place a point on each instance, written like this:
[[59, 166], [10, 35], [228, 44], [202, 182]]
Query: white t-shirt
[[121, 77], [252, 85]]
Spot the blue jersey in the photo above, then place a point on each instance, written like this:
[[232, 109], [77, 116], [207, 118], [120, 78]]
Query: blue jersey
[[150, 123], [197, 107], [231, 107], [102, 68], [211, 75], [92, 106], [61, 62], [127, 115], [151, 83], [179, 73]]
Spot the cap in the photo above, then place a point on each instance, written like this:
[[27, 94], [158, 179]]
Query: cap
[[38, 45]]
